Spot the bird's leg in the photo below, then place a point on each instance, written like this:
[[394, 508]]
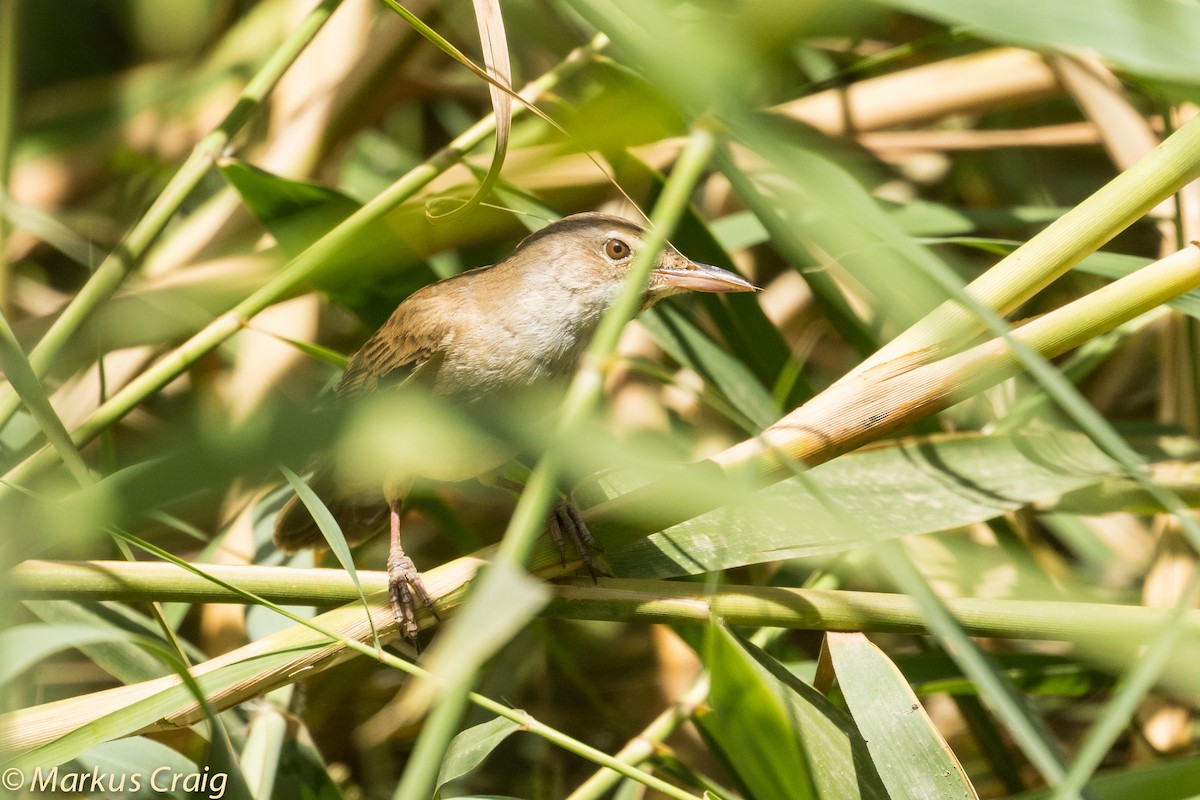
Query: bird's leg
[[404, 582], [565, 523], [566, 519]]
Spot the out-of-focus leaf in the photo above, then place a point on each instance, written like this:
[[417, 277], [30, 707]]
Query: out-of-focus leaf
[[738, 231], [1177, 779], [691, 347], [470, 747], [602, 121], [912, 757], [120, 656], [409, 432], [698, 66], [129, 763], [25, 645], [914, 486], [297, 213], [333, 536], [1154, 38], [921, 218]]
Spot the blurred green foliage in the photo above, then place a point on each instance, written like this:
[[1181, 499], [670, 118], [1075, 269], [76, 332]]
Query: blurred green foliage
[[846, 228]]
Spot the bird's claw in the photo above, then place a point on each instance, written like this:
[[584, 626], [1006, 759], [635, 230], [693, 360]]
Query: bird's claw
[[405, 588], [566, 523]]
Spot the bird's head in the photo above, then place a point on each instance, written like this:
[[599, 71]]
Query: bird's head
[[592, 253]]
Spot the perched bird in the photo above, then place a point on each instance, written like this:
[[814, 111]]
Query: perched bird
[[523, 322]]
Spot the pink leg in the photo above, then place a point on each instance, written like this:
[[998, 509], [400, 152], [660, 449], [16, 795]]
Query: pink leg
[[404, 582]]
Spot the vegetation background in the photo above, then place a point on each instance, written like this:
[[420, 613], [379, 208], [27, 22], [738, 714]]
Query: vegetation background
[[206, 203]]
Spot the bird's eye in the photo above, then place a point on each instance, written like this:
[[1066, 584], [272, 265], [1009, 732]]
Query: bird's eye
[[616, 249]]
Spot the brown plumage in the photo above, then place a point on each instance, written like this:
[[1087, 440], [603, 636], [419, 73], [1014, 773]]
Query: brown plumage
[[522, 322]]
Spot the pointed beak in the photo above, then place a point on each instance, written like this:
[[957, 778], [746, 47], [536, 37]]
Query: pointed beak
[[697, 277]]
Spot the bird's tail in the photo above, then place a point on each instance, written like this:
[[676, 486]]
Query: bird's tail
[[360, 516]]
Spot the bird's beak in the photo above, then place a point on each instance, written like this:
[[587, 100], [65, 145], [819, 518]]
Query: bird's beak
[[697, 277]]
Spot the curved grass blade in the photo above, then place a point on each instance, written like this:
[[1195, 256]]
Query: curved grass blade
[[495, 59], [333, 536]]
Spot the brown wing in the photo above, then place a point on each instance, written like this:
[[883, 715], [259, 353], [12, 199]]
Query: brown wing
[[360, 516], [408, 346]]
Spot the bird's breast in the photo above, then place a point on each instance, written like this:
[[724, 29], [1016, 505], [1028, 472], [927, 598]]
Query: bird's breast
[[530, 331]]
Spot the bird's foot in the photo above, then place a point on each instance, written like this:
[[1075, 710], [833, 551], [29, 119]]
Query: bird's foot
[[566, 523], [405, 588]]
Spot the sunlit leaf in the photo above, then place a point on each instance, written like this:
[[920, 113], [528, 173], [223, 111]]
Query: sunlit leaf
[[753, 725], [912, 757], [469, 748], [915, 486], [779, 736]]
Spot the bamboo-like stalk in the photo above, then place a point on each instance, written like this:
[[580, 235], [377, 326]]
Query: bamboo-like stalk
[[153, 580], [300, 652], [1054, 250], [129, 253], [618, 599], [117, 712], [293, 275]]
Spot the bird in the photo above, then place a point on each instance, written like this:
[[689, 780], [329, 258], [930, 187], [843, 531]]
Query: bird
[[523, 322]]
